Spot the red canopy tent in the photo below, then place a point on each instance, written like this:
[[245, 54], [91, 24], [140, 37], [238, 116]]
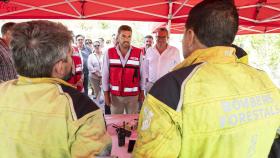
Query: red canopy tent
[[178, 28], [256, 16], [136, 10]]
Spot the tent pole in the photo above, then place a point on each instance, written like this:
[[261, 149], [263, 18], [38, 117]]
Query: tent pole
[[169, 16], [182, 5]]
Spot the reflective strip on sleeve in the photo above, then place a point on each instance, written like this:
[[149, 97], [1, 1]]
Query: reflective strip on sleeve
[[115, 61], [133, 62], [134, 89], [115, 88]]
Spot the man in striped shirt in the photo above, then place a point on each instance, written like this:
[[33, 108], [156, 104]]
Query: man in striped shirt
[[7, 68]]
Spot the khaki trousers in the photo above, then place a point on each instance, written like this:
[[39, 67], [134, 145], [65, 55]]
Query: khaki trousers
[[95, 84], [128, 103]]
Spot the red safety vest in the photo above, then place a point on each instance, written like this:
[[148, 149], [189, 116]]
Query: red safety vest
[[77, 72], [124, 81]]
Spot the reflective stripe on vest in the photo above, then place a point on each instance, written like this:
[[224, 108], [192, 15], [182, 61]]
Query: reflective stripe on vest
[[134, 89], [124, 79], [115, 88], [133, 62], [115, 61]]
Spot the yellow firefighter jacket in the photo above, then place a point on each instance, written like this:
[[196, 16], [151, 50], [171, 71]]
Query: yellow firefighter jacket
[[44, 117], [210, 106]]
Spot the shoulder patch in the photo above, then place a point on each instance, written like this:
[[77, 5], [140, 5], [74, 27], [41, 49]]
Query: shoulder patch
[[82, 103], [168, 88]]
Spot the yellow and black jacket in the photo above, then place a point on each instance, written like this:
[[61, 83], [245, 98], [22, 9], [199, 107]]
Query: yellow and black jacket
[[44, 117], [210, 106]]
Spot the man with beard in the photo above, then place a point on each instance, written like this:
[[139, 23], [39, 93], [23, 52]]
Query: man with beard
[[148, 42], [41, 114], [122, 76], [7, 68], [211, 105]]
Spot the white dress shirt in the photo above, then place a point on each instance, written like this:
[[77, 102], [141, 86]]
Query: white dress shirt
[[105, 68], [157, 65]]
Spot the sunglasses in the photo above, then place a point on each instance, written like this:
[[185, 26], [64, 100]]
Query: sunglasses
[[161, 37], [88, 42]]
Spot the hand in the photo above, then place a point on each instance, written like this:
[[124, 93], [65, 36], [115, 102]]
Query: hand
[[79, 83], [141, 96], [97, 73], [107, 98]]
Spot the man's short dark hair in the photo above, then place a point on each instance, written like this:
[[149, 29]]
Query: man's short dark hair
[[149, 36], [214, 22], [79, 35], [124, 28], [6, 27], [38, 45], [101, 39], [88, 41]]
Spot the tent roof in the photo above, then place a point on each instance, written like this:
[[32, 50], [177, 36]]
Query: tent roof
[[255, 16], [136, 10], [178, 28], [259, 15]]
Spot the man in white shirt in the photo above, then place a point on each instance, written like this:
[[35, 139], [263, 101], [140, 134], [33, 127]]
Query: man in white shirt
[[148, 42], [160, 59], [123, 81]]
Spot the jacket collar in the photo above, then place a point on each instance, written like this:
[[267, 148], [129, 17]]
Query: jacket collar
[[218, 54], [26, 80]]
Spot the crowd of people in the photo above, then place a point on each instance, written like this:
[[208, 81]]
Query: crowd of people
[[120, 74], [211, 104]]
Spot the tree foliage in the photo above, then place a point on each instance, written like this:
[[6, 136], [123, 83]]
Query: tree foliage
[[263, 51]]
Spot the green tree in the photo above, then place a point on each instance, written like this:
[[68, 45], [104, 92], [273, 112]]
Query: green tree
[[263, 51]]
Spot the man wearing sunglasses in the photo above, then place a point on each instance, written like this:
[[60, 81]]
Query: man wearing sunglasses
[[122, 76], [95, 61], [88, 43], [85, 52]]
